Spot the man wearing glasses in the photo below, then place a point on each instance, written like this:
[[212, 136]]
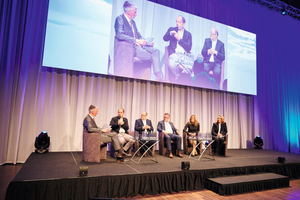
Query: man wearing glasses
[[213, 53]]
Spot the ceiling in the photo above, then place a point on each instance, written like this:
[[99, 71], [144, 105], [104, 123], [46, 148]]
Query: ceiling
[[294, 3]]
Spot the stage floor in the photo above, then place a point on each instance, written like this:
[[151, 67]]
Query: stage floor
[[64, 165]]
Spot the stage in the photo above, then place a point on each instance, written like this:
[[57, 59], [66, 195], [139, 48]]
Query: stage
[[54, 175]]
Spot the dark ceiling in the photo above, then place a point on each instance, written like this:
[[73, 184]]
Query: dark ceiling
[[294, 3]]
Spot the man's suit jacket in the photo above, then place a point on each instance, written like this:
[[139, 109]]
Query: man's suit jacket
[[219, 48], [215, 129], [139, 125], [161, 126], [124, 31], [90, 125], [116, 127], [185, 42]]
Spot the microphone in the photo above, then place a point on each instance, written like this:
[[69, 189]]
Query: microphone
[[119, 117]]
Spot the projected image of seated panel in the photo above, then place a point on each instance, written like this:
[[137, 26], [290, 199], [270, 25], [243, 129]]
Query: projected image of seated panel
[[144, 40]]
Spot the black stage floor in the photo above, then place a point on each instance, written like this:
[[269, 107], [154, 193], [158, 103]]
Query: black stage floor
[[55, 167]]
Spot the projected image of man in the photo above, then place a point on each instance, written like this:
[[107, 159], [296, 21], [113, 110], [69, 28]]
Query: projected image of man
[[214, 54], [126, 30], [180, 42]]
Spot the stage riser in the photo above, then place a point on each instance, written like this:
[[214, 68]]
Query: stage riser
[[131, 185], [55, 175], [244, 184]]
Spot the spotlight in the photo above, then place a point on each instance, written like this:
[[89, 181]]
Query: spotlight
[[185, 165], [83, 171], [42, 142], [283, 11], [281, 159], [258, 142]]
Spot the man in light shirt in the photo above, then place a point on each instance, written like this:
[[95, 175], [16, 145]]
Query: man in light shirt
[[213, 53], [170, 133], [144, 124], [180, 42], [119, 124]]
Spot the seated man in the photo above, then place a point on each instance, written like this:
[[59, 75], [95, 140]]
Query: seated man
[[119, 124], [170, 133], [144, 124], [213, 52], [90, 125], [180, 42], [126, 30]]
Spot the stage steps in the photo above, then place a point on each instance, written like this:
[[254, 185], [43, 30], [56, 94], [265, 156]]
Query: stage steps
[[238, 184]]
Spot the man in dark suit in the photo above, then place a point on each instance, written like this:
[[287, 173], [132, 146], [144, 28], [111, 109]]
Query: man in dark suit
[[119, 124], [144, 124], [170, 133], [213, 52], [180, 42], [219, 131], [90, 126], [126, 30]]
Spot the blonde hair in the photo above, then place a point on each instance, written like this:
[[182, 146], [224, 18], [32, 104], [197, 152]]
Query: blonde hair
[[195, 122], [222, 119]]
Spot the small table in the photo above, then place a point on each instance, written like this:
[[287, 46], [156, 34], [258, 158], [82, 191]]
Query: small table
[[206, 146], [143, 143]]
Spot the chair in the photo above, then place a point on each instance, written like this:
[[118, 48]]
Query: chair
[[163, 147], [125, 64], [225, 146], [222, 74], [112, 150], [93, 149], [186, 149], [137, 145], [167, 70]]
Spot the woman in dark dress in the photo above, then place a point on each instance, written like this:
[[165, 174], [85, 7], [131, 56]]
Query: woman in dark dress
[[219, 131], [191, 129]]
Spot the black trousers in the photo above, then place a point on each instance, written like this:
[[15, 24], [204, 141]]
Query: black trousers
[[218, 145]]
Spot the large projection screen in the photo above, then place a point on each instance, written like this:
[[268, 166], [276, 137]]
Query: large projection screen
[[81, 35]]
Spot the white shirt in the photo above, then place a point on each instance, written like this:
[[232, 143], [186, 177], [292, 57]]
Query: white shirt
[[168, 127], [180, 49], [219, 129], [213, 46], [144, 122], [121, 129]]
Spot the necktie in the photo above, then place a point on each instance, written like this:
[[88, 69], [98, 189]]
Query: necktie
[[134, 33]]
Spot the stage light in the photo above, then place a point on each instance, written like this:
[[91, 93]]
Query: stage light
[[258, 142], [185, 165], [83, 171], [281, 159], [42, 142], [283, 11]]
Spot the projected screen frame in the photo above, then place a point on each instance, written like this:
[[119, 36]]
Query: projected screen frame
[[153, 20]]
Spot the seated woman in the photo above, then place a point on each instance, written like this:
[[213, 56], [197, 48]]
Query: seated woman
[[191, 129], [218, 131]]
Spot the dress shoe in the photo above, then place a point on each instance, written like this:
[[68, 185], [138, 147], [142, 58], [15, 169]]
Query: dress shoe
[[126, 154], [120, 159]]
